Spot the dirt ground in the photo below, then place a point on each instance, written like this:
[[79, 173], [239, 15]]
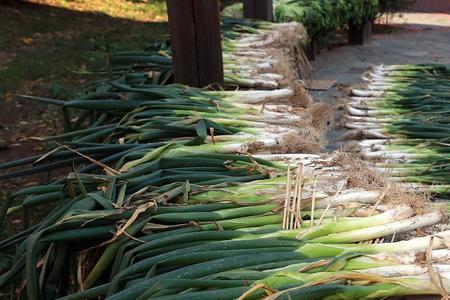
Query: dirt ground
[[41, 41], [421, 35]]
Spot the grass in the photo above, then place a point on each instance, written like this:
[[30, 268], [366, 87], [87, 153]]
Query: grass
[[41, 41], [138, 10]]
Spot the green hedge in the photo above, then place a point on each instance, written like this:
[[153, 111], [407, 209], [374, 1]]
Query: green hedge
[[318, 16], [322, 16]]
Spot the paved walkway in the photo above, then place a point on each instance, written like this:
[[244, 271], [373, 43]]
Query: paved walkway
[[423, 37]]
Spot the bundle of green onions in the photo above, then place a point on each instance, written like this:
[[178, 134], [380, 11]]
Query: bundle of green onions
[[403, 118], [256, 55], [145, 117]]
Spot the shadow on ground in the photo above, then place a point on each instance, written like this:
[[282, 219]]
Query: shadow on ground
[[40, 42]]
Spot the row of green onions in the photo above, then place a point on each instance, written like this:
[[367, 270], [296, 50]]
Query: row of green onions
[[403, 118], [195, 233], [146, 117]]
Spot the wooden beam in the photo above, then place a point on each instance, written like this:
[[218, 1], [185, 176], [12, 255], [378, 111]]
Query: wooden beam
[[258, 9], [194, 27]]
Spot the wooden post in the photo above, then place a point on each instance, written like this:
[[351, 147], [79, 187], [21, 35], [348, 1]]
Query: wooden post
[[194, 27], [359, 34], [258, 9]]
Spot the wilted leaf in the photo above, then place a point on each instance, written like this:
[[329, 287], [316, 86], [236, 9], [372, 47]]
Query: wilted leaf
[[27, 41]]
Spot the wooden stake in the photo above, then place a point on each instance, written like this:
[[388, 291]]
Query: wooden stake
[[292, 208], [287, 200], [299, 199], [313, 200]]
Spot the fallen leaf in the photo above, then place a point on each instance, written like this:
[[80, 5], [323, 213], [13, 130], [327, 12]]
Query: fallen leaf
[[8, 96], [16, 221], [27, 41]]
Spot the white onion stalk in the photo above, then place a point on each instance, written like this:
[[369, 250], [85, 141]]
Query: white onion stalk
[[289, 157], [243, 137], [250, 53], [224, 148], [245, 60], [392, 147], [373, 133], [365, 93], [375, 232], [377, 75], [359, 99], [440, 256], [239, 59], [404, 270], [248, 68], [359, 125], [395, 155], [376, 120], [379, 87], [382, 76], [388, 261], [383, 68], [362, 113], [349, 211], [349, 196], [364, 106], [274, 118], [370, 143], [255, 76], [255, 43], [269, 76], [389, 83], [395, 214], [254, 97], [262, 120], [248, 82]]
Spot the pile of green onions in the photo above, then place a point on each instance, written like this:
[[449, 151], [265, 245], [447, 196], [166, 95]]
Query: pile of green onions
[[256, 54], [403, 118], [209, 226]]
